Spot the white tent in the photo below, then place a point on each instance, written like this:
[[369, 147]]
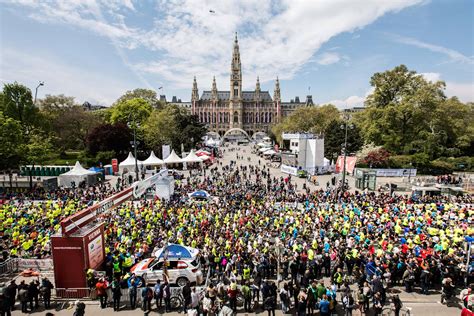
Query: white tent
[[173, 158], [153, 160], [191, 157], [129, 163], [264, 149], [77, 174]]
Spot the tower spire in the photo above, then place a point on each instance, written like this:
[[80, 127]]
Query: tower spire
[[214, 88], [276, 92], [195, 93], [236, 72]]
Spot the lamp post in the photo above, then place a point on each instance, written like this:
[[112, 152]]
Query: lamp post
[[134, 125], [345, 126], [41, 83]]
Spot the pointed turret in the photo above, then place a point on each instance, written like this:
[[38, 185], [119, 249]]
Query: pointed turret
[[257, 89], [214, 88], [276, 92], [195, 93]]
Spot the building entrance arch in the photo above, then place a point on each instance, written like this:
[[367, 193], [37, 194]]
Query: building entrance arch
[[236, 129]]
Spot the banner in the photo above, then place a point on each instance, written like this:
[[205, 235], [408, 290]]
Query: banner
[[395, 172], [140, 187], [36, 264], [289, 170], [350, 164], [166, 151]]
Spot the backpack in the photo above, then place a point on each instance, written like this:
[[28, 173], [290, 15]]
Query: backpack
[[149, 293]]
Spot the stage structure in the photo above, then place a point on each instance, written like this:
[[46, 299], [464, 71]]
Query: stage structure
[[79, 245]]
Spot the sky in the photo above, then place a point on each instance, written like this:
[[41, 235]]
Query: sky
[[96, 50]]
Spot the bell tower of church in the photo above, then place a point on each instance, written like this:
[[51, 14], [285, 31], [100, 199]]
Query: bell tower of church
[[236, 87]]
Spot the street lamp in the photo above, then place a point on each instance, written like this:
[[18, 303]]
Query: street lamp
[[41, 83], [134, 143], [345, 126]]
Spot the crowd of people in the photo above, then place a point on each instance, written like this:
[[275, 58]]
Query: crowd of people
[[332, 249]]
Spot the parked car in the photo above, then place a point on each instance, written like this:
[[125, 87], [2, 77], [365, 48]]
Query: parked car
[[180, 271]]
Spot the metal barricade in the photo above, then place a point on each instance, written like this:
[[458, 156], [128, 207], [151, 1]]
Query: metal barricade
[[73, 293], [9, 266]]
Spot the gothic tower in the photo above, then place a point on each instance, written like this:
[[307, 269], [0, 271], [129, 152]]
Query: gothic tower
[[236, 87], [195, 95], [277, 100]]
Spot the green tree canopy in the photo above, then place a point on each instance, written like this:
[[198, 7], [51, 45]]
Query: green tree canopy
[[172, 125], [146, 94], [307, 119], [18, 104], [407, 114], [136, 110], [11, 142], [334, 139], [69, 122]]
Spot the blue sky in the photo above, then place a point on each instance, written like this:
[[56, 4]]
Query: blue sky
[[97, 50]]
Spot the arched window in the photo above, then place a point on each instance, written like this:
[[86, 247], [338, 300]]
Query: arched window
[[214, 118], [270, 117], [236, 117], [236, 89], [262, 118]]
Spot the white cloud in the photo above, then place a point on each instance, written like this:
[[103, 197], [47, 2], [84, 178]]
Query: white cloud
[[431, 76], [351, 101], [328, 58], [92, 86], [277, 37], [453, 55], [464, 91]]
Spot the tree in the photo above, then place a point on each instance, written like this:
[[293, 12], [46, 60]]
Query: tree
[[399, 111], [135, 110], [11, 142], [172, 125], [145, 94], [108, 137], [377, 158], [68, 122], [38, 148], [18, 104], [307, 119], [334, 139]]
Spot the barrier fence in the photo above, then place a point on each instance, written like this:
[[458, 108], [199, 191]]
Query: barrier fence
[[9, 266]]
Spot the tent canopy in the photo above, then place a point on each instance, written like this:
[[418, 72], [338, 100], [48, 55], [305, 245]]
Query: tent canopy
[[153, 160], [130, 161], [176, 251], [192, 157], [173, 158], [201, 194], [78, 170], [76, 175], [264, 149]]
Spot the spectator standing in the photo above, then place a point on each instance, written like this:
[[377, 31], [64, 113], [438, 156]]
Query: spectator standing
[[116, 294], [45, 290], [101, 289]]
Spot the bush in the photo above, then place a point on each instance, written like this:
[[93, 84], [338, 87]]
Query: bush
[[105, 157], [401, 161]]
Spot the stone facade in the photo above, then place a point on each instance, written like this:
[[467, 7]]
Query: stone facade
[[251, 111]]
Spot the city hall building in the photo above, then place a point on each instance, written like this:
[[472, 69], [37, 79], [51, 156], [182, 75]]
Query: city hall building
[[250, 111]]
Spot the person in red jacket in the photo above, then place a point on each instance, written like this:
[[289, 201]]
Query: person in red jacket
[[101, 288]]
